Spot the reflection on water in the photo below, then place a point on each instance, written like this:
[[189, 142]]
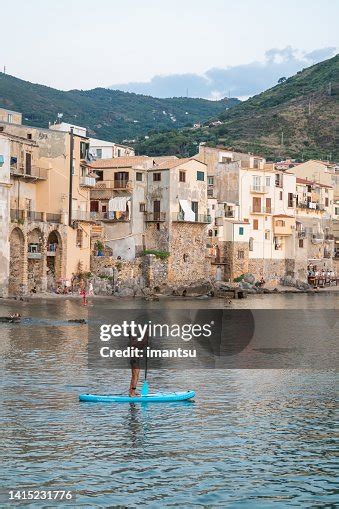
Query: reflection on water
[[252, 438]]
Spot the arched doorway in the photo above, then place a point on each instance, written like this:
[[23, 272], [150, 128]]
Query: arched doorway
[[54, 258], [35, 260], [16, 262]]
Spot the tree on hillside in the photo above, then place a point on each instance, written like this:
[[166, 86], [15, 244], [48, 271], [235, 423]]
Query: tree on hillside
[[281, 80]]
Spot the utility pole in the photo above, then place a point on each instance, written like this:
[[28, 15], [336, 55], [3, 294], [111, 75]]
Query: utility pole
[[71, 151], [282, 138], [309, 107]]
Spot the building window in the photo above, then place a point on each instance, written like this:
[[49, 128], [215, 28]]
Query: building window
[[241, 254], [138, 176], [200, 175], [255, 224], [301, 243], [83, 150], [14, 162], [195, 208], [156, 177], [290, 200], [142, 207], [326, 202], [241, 230], [256, 163], [9, 118], [100, 174], [182, 176], [279, 222], [215, 233], [79, 239], [280, 195], [185, 257], [29, 136], [256, 183], [226, 160], [267, 235], [210, 181], [99, 153], [210, 233], [268, 181]]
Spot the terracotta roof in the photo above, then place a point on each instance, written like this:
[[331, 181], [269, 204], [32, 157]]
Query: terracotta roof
[[312, 183], [161, 159], [120, 162], [172, 163], [283, 215]]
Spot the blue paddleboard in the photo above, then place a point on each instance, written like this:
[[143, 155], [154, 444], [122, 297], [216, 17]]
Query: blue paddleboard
[[156, 397]]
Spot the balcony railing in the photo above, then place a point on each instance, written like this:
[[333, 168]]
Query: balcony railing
[[199, 218], [261, 210], [53, 218], [259, 189], [34, 256], [34, 173], [80, 215], [87, 181], [113, 184], [156, 216], [17, 215], [109, 216], [34, 216]]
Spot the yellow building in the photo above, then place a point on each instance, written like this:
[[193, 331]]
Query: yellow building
[[50, 224]]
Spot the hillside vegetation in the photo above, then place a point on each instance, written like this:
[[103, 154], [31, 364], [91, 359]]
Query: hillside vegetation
[[298, 118], [108, 114]]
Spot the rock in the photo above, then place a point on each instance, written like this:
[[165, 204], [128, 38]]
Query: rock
[[107, 271], [249, 278], [288, 281], [301, 285]]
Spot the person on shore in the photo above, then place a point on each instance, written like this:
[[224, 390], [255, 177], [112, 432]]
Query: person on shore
[[83, 292], [90, 289]]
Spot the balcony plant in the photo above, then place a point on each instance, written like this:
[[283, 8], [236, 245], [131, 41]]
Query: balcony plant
[[99, 248]]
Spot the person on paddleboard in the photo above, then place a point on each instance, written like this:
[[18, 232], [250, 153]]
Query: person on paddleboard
[[138, 350]]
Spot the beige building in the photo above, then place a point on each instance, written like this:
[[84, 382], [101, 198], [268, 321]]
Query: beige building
[[119, 201], [9, 116], [48, 216], [258, 202]]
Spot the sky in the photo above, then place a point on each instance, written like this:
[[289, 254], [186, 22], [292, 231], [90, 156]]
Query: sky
[[206, 48]]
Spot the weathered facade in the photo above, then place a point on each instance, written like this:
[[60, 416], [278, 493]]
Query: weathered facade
[[48, 236]]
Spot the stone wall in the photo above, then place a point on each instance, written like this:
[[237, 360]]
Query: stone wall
[[270, 270], [157, 236], [26, 274], [188, 261]]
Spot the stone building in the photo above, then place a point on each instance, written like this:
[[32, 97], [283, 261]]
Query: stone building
[[48, 218], [177, 217]]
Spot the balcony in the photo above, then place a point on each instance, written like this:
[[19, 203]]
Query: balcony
[[155, 216], [110, 216], [317, 238], [34, 216], [301, 234], [18, 215], [53, 218], [84, 216], [259, 189], [199, 218], [29, 174], [87, 181], [114, 184], [261, 210]]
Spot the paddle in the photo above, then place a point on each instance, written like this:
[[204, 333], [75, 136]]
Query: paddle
[[144, 388]]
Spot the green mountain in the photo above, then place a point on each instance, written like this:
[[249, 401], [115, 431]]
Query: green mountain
[[297, 118], [108, 114]]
